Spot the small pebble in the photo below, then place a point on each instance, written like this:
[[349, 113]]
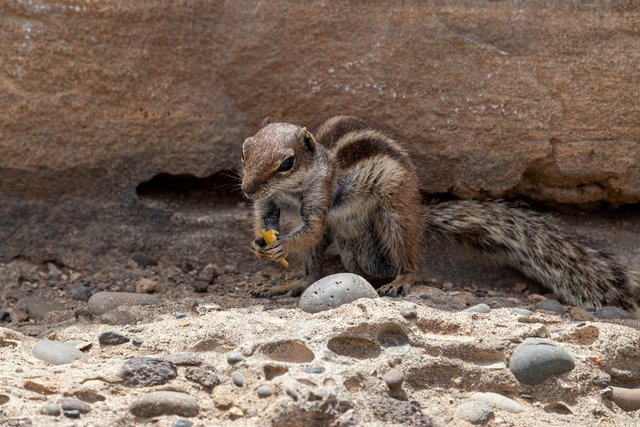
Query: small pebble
[[180, 314], [475, 412], [498, 401], [202, 377], [136, 341], [394, 379], [314, 369], [235, 412], [72, 413], [292, 394], [55, 352], [230, 269], [50, 409], [143, 260], [185, 359], [200, 287], [264, 391], [478, 308], [237, 379], [72, 403], [522, 311], [611, 313], [81, 293], [186, 266], [537, 359], [550, 305], [146, 372], [112, 338], [409, 313], [158, 403], [233, 358], [603, 379], [182, 422]]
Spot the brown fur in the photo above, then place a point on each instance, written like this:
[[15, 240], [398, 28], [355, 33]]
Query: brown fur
[[353, 184]]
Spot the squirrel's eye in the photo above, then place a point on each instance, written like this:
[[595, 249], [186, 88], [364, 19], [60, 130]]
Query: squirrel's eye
[[286, 165]]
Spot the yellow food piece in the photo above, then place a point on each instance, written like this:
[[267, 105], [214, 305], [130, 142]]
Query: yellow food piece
[[270, 237]]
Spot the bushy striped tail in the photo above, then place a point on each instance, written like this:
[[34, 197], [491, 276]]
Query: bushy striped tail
[[533, 244]]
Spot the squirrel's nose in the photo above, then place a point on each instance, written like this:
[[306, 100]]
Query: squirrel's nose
[[249, 188]]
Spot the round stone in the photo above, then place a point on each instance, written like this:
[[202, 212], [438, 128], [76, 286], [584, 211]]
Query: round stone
[[498, 401], [55, 352], [202, 376], [143, 260], [72, 413], [475, 412], [136, 341], [182, 422], [164, 403], [233, 358], [51, 409], [409, 313], [478, 308], [200, 287], [237, 379], [180, 314], [72, 403], [264, 391], [335, 290], [394, 379], [537, 359]]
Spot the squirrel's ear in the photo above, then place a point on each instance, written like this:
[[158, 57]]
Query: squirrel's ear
[[308, 140], [265, 122]]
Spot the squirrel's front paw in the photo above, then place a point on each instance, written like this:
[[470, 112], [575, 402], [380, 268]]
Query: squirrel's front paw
[[274, 251], [258, 246]]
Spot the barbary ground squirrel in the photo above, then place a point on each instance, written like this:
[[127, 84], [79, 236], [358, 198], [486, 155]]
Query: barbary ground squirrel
[[353, 184]]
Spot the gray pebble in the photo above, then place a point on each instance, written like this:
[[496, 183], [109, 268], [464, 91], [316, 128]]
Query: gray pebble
[[207, 275], [143, 260], [498, 401], [136, 341], [120, 316], [478, 308], [182, 422], [237, 379], [409, 313], [230, 269], [102, 302], [56, 353], [199, 286], [72, 413], [292, 394], [314, 369], [394, 379], [335, 290], [81, 293], [233, 358], [522, 311], [147, 371], [612, 313], [71, 403], [264, 391], [550, 305], [180, 314], [50, 409], [475, 412], [112, 338], [164, 403], [202, 377], [537, 359]]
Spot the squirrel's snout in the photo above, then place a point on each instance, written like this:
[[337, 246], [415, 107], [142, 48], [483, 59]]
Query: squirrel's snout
[[249, 188]]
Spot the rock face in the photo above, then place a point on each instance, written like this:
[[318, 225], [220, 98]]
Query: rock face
[[493, 99]]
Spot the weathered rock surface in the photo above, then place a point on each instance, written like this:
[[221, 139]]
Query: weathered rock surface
[[335, 290], [447, 360], [493, 99]]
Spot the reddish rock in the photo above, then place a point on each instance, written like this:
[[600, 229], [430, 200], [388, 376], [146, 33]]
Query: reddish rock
[[493, 99]]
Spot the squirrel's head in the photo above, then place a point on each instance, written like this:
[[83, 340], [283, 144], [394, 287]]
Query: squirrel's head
[[276, 159]]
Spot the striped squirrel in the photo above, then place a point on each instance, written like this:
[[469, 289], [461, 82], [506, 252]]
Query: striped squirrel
[[353, 184]]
